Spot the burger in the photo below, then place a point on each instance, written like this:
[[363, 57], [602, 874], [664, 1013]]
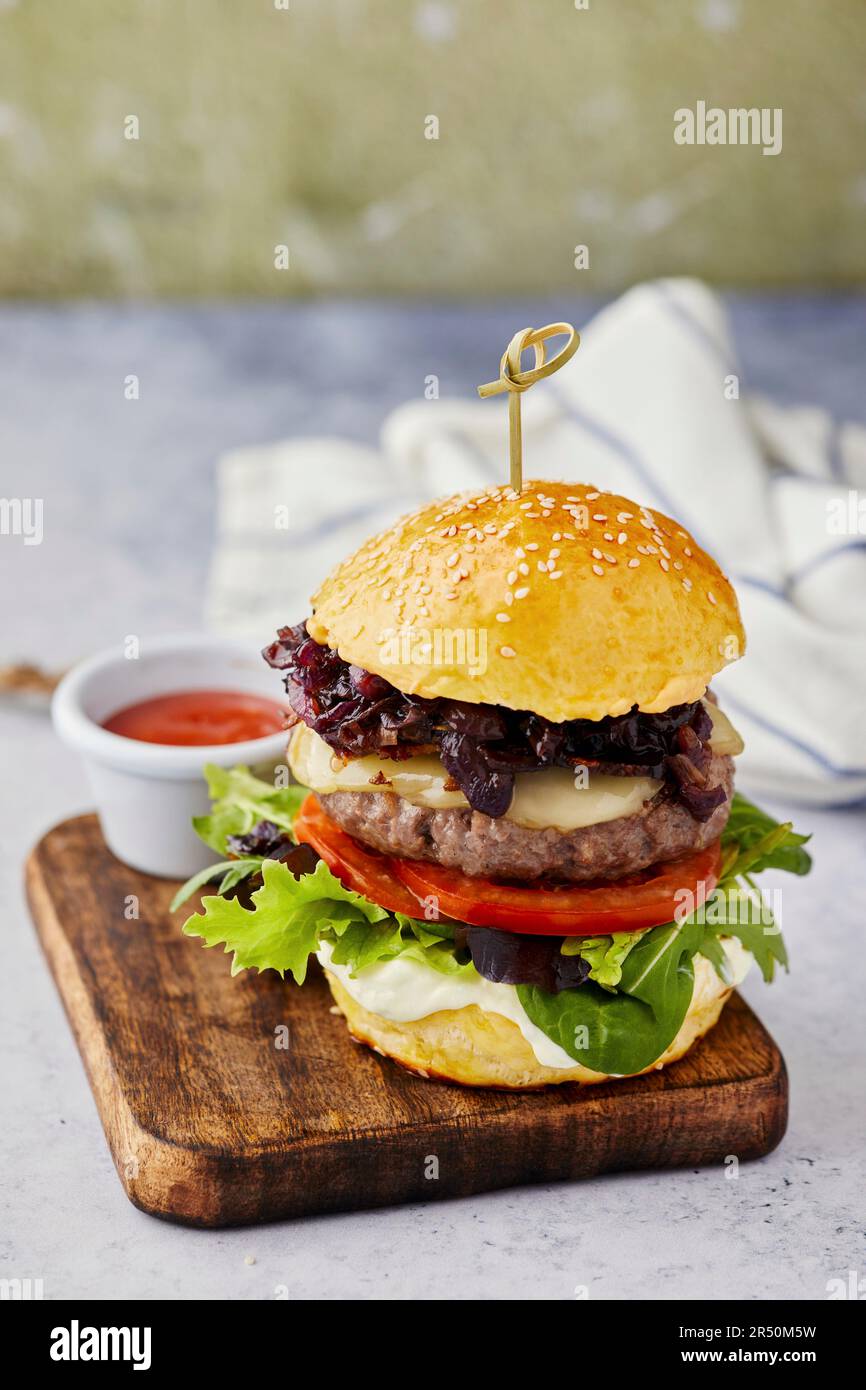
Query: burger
[[511, 837]]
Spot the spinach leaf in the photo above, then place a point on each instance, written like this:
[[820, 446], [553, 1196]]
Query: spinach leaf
[[624, 1032]]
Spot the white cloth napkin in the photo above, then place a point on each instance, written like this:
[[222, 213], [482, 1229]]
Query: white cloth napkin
[[649, 407]]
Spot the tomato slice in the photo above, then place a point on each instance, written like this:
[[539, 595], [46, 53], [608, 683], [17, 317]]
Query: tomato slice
[[355, 866], [646, 899], [642, 900]]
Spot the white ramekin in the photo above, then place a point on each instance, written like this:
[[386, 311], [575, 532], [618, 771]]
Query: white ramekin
[[147, 793]]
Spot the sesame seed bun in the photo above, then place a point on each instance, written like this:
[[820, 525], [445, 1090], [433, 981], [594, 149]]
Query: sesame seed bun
[[478, 1048], [564, 600]]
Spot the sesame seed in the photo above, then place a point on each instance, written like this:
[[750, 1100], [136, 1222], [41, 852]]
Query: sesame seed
[[509, 599], [554, 554], [687, 585], [665, 566], [557, 535], [621, 538], [611, 559], [623, 516], [521, 593], [686, 551], [542, 567], [597, 569], [596, 554], [523, 568], [533, 545], [608, 536], [502, 618], [711, 597], [599, 516], [451, 594], [507, 651], [590, 497], [633, 564], [555, 574]]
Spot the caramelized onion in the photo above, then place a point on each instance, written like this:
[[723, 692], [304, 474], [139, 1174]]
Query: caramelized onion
[[484, 746]]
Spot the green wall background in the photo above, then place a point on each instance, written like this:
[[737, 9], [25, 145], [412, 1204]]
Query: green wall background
[[261, 126]]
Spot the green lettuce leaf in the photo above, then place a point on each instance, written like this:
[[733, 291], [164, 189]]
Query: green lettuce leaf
[[604, 954], [289, 917], [283, 927], [240, 801], [233, 871]]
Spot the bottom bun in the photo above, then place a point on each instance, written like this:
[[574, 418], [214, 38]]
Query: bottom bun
[[476, 1047]]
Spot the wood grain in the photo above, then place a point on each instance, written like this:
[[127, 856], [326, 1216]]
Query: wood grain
[[211, 1123]]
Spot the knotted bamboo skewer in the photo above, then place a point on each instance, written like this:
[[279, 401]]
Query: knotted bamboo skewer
[[515, 381]]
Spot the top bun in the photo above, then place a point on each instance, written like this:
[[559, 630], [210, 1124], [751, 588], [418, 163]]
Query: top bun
[[563, 599]]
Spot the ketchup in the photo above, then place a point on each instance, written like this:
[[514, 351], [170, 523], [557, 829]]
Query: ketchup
[[199, 717]]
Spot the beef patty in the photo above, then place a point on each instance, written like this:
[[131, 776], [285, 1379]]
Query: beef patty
[[461, 838]]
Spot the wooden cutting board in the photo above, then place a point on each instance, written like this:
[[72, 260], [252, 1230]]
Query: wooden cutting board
[[211, 1123]]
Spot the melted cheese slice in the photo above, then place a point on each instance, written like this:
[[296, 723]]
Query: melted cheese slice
[[724, 739], [550, 799], [541, 799]]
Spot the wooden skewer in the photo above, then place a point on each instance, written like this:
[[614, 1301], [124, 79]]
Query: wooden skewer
[[515, 381], [25, 679]]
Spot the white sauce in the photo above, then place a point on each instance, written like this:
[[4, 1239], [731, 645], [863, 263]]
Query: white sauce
[[404, 990]]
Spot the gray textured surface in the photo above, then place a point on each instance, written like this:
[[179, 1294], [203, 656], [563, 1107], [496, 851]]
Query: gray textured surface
[[129, 508]]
